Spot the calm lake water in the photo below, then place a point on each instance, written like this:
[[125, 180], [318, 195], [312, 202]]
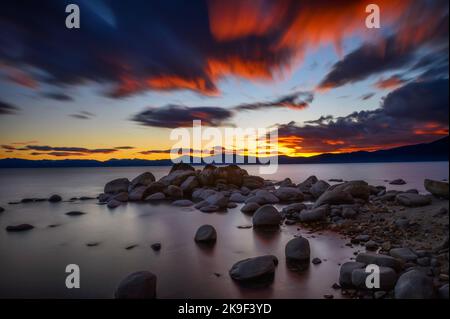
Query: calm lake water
[[33, 263]]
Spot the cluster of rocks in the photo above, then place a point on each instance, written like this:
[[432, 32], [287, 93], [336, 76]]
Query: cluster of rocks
[[403, 274]]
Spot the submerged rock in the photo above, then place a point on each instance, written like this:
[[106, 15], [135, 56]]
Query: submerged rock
[[437, 188], [252, 269], [54, 199], [2, 209], [19, 228], [414, 285], [138, 285], [206, 234], [266, 215], [398, 181], [75, 213], [156, 246]]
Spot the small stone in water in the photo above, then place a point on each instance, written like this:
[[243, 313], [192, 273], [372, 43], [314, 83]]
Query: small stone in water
[[156, 246], [316, 261], [328, 296], [130, 247]]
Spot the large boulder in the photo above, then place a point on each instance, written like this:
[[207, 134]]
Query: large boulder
[[174, 192], [176, 177], [144, 179], [414, 284], [437, 188], [116, 186], [307, 184], [346, 271], [334, 197], [358, 189], [137, 193], [181, 167], [380, 260], [412, 200], [138, 285], [252, 182], [155, 187], [206, 234], [232, 174], [404, 253], [289, 194], [254, 269], [314, 214], [207, 176], [388, 278], [189, 184], [266, 216], [319, 188], [298, 250]]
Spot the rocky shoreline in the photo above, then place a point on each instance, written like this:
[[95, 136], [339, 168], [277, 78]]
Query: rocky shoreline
[[404, 233]]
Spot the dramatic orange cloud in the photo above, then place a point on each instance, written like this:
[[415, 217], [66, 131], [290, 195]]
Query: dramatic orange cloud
[[390, 83]]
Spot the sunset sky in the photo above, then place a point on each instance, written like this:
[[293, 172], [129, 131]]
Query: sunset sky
[[137, 69]]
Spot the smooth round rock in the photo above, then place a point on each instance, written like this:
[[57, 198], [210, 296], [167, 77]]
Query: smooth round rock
[[266, 215], [206, 234], [138, 285], [414, 285], [254, 268], [298, 250]]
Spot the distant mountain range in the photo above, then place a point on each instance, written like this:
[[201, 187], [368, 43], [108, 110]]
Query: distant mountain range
[[434, 151]]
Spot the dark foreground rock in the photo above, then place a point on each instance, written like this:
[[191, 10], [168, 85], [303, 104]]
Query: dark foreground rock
[[138, 285], [116, 186], [298, 250], [414, 284], [19, 228], [253, 269]]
